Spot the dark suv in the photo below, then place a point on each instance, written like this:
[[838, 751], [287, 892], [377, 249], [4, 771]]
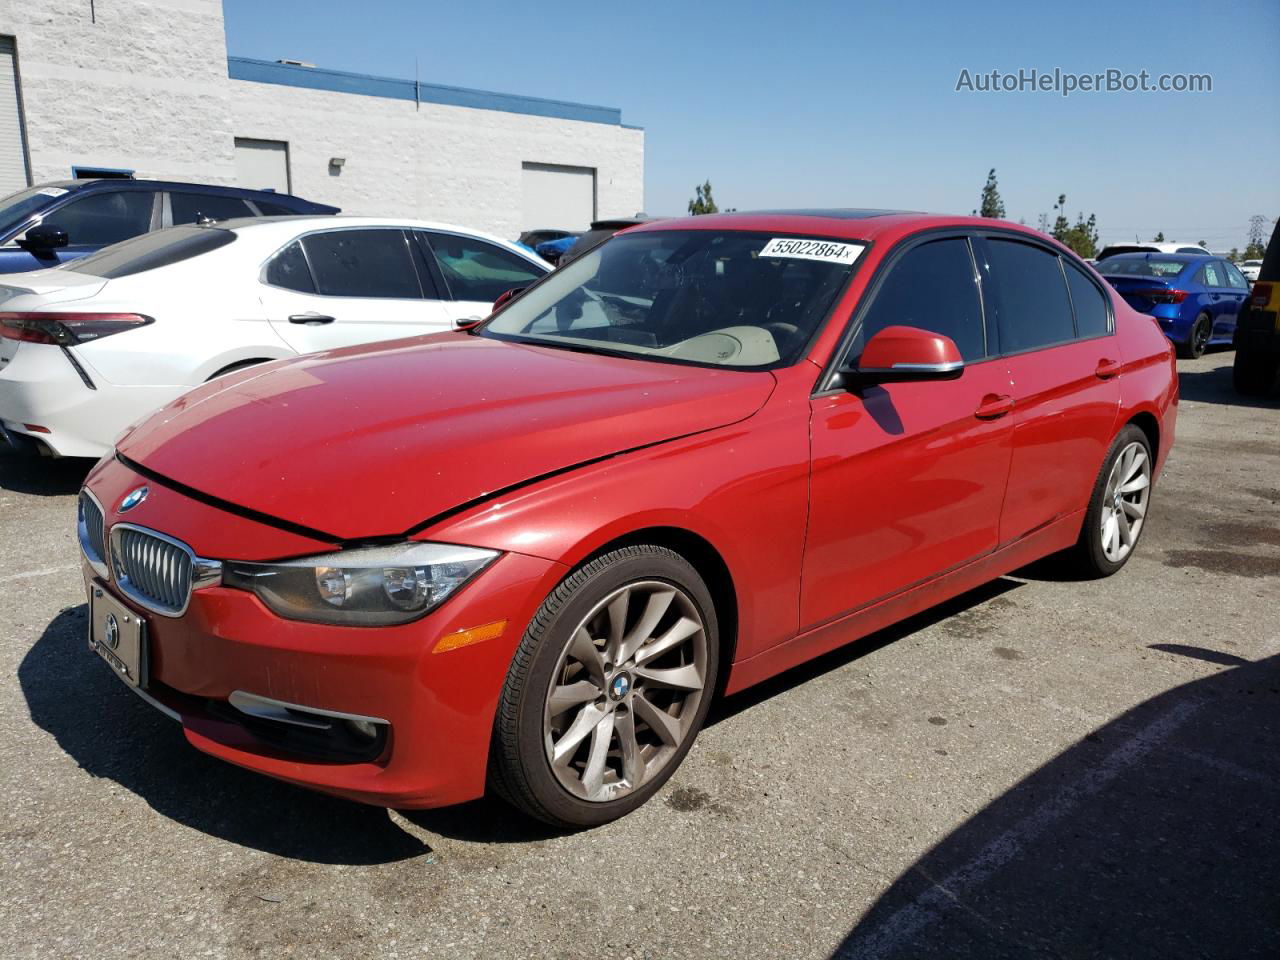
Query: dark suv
[[51, 223]]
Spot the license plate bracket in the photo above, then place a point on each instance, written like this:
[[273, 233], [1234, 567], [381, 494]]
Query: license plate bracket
[[118, 634]]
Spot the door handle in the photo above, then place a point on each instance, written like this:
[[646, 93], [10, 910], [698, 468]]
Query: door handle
[[1107, 369], [1216, 296], [993, 406], [313, 319]]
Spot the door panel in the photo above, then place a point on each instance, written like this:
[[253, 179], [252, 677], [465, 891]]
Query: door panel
[[908, 478], [1064, 418], [1066, 391], [907, 484], [337, 288]]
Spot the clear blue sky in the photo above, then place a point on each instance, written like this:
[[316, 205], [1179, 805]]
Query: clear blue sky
[[854, 103]]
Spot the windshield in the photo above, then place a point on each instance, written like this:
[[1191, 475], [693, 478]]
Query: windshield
[[17, 207], [695, 296], [1141, 268], [150, 250]]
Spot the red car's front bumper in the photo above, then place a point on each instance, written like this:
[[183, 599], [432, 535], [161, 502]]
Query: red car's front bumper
[[439, 705]]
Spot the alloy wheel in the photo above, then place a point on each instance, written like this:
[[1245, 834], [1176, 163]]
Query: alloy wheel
[[626, 690], [1124, 501]]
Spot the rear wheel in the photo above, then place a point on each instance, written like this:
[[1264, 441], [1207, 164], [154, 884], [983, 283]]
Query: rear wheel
[[1198, 339], [1254, 374], [1118, 507], [608, 688]]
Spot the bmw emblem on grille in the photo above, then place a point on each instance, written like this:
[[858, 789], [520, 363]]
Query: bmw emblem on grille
[[133, 498], [111, 633], [621, 684]]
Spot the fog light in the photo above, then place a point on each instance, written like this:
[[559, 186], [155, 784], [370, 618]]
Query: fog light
[[363, 728]]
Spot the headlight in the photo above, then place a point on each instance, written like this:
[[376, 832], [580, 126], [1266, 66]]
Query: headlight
[[367, 587]]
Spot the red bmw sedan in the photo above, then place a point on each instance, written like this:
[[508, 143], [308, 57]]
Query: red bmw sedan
[[526, 556]]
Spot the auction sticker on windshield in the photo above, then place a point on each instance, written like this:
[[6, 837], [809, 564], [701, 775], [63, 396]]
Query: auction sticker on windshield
[[829, 251]]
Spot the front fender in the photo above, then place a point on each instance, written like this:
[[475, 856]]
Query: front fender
[[742, 488]]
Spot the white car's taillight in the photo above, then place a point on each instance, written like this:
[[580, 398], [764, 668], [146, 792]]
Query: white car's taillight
[[67, 329]]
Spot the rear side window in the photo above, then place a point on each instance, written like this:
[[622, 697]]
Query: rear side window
[[1092, 315], [1032, 308], [102, 218], [1210, 275], [476, 270], [362, 263], [194, 207], [289, 269], [151, 250], [932, 287]]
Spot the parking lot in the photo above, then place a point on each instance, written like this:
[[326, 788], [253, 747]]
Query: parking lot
[[1041, 768]]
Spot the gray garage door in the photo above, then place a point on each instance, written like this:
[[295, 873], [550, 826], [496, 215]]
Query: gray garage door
[[13, 150], [262, 164], [558, 197]]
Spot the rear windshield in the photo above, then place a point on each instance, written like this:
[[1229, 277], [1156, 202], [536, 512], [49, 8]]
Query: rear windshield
[[1140, 268], [725, 299], [151, 250]]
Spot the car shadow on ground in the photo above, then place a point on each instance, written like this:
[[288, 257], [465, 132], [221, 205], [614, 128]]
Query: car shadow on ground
[[41, 476], [1214, 386], [1154, 836], [113, 734]]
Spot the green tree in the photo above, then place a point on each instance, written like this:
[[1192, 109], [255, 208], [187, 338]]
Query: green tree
[[1204, 244], [1081, 236], [1234, 255], [1254, 251], [1158, 238], [702, 201], [991, 206]]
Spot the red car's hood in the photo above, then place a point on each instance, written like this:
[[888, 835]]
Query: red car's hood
[[371, 441]]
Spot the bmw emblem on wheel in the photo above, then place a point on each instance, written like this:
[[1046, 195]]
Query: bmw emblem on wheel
[[133, 498], [621, 684], [111, 633]]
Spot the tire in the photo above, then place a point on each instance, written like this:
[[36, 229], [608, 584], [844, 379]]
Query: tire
[[1197, 339], [536, 764], [1254, 374], [1095, 554]]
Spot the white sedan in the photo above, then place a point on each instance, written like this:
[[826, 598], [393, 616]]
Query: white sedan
[[88, 348], [1251, 269]]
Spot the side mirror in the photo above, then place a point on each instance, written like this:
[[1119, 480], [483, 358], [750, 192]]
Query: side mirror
[[507, 297], [899, 354], [43, 237]]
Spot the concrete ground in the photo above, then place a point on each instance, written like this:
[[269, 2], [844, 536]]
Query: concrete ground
[[1043, 768]]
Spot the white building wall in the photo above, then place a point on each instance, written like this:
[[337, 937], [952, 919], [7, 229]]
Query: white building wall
[[456, 164], [140, 85]]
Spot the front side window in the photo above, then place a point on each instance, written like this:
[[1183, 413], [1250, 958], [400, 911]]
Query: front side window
[[17, 207], [195, 207], [362, 263], [103, 218], [732, 299], [1235, 278], [1092, 315], [475, 270], [288, 269], [932, 287], [1030, 293]]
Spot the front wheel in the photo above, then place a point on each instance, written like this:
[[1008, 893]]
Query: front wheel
[[608, 688], [1118, 506]]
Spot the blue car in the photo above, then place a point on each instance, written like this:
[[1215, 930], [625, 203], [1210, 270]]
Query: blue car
[[52, 223], [1194, 297]]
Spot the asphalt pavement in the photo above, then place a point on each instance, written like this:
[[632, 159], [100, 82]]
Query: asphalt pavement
[[1042, 768]]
